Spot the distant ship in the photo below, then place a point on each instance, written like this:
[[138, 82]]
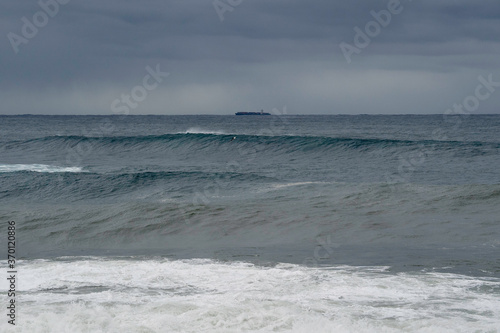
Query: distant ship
[[261, 113]]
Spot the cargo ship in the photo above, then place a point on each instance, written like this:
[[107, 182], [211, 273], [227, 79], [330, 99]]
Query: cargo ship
[[261, 113]]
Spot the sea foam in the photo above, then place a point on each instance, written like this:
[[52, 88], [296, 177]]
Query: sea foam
[[76, 294], [37, 168]]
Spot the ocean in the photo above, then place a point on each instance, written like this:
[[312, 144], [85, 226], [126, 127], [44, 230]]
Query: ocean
[[281, 223]]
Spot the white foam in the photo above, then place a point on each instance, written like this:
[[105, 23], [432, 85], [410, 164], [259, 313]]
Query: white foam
[[197, 130], [37, 168], [125, 295]]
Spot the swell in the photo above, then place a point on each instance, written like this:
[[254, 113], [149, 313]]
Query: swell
[[341, 214], [70, 186], [208, 142]]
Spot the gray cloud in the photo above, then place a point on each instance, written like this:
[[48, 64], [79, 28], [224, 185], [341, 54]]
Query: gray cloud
[[264, 54]]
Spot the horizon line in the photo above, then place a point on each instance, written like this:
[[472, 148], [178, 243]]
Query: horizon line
[[218, 114]]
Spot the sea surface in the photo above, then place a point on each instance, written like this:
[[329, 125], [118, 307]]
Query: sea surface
[[281, 223]]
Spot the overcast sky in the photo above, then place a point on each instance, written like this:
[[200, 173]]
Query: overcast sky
[[85, 57]]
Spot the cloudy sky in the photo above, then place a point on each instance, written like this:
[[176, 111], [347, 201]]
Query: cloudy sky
[[223, 56]]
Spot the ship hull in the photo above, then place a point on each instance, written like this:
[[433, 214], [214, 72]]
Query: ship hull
[[252, 114]]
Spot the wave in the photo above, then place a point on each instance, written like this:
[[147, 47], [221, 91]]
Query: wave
[[199, 295], [455, 226], [74, 185], [148, 205], [43, 168], [197, 130], [198, 139]]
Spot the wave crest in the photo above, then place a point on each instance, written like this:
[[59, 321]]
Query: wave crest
[[37, 168]]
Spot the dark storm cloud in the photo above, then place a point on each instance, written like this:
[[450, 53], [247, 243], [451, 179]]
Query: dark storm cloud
[[263, 54]]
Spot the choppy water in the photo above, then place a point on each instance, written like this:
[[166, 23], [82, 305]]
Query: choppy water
[[264, 223]]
